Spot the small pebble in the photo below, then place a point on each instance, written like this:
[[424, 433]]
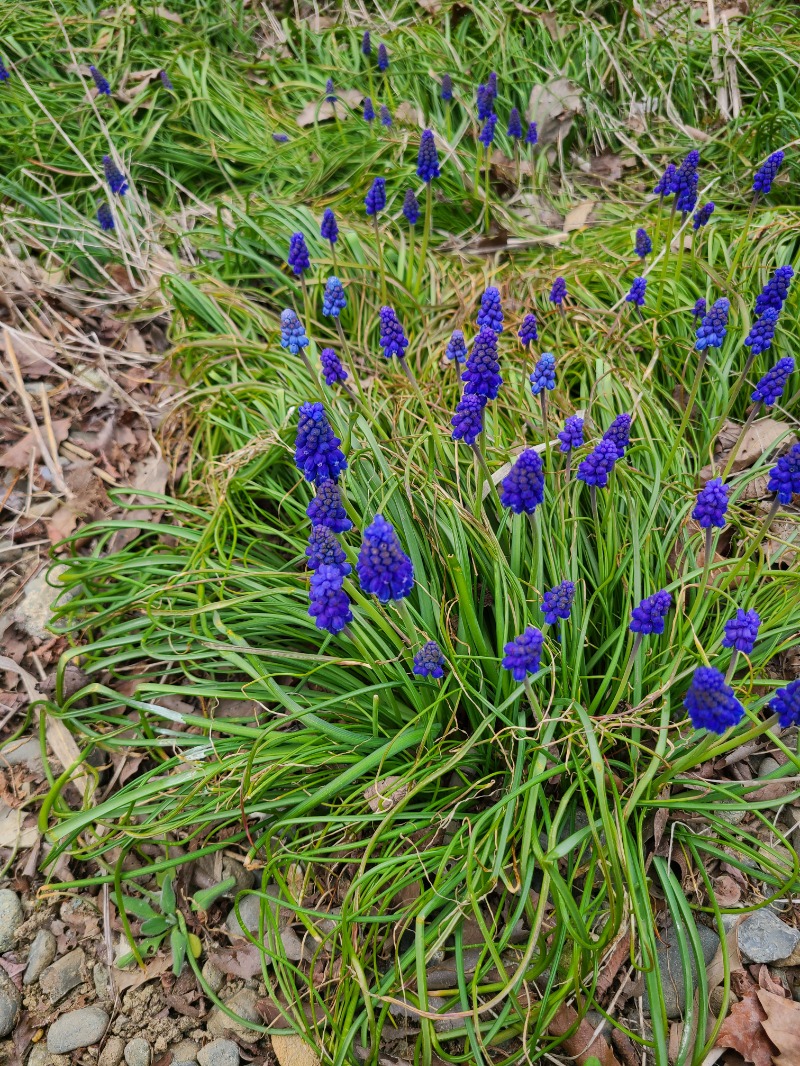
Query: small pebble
[[243, 1004], [768, 766], [764, 938], [75, 1029], [213, 976], [42, 953], [112, 1053], [11, 918], [137, 1052], [184, 1052], [219, 1053], [102, 980], [63, 975], [10, 1002]]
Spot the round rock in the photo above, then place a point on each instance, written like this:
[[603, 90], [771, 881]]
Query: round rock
[[764, 938], [10, 1002], [42, 953], [137, 1052], [75, 1029], [112, 1053], [11, 918], [219, 1053]]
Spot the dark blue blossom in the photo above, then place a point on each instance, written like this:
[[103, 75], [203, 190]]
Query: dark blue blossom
[[532, 136], [663, 187], [557, 602], [386, 116], [514, 123], [523, 654], [784, 478], [544, 374], [293, 336], [329, 605], [383, 57], [765, 175], [598, 464], [429, 661], [334, 300], [699, 309], [485, 102], [637, 291], [411, 207], [650, 615], [375, 200], [619, 433], [366, 44], [329, 231], [711, 504], [467, 422], [490, 314], [711, 703], [447, 87], [644, 245], [280, 138], [762, 332], [775, 291], [558, 291], [103, 88], [4, 75], [487, 132], [482, 374], [330, 92], [528, 331], [491, 85], [571, 436], [684, 183], [332, 369], [116, 179], [166, 81], [701, 217], [711, 331], [298, 258], [392, 340], [326, 510], [786, 704], [384, 569], [427, 158], [105, 217], [770, 388], [369, 110], [741, 631], [317, 453], [522, 489], [456, 347], [324, 549]]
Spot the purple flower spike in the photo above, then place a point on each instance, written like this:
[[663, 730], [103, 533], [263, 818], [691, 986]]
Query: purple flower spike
[[544, 374], [384, 569], [770, 388], [330, 92], [332, 369], [326, 509], [532, 136], [598, 464], [369, 110], [293, 336], [329, 605], [786, 704], [324, 549], [427, 158], [487, 132], [485, 103], [329, 231], [571, 436], [490, 314], [467, 422], [711, 331], [528, 331], [558, 291], [117, 181], [701, 217], [456, 347], [762, 332], [375, 200], [429, 661], [684, 183], [482, 374], [775, 291], [411, 207], [664, 186], [103, 88], [522, 489], [386, 116], [4, 75], [366, 44], [699, 309], [619, 433], [166, 81], [514, 123], [741, 631], [765, 175], [784, 478], [298, 258], [643, 245], [637, 291], [711, 703], [557, 602], [105, 217], [280, 138], [383, 57], [392, 340], [711, 505], [649, 617], [447, 87], [334, 300], [523, 654], [317, 453]]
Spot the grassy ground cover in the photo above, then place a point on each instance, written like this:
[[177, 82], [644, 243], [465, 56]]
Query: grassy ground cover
[[526, 832]]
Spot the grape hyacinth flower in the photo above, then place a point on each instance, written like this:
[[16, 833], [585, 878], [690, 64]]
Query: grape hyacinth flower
[[329, 604], [105, 217], [386, 116], [619, 433], [784, 478], [514, 123], [598, 464], [369, 110], [329, 230], [429, 661], [741, 631], [765, 175], [383, 58], [491, 85], [411, 207], [375, 200], [528, 331], [4, 75], [117, 181], [332, 369], [490, 314], [326, 509], [770, 388], [711, 703], [103, 88], [558, 291], [467, 422], [334, 300], [523, 654], [366, 44], [701, 217], [522, 489], [447, 88], [384, 569], [298, 258], [544, 374], [699, 309], [664, 185], [486, 136], [485, 102], [571, 436], [775, 291], [650, 616], [557, 602], [637, 291], [166, 81], [427, 158], [293, 335], [711, 331], [482, 374], [532, 136], [324, 549], [786, 704], [280, 138], [643, 246], [317, 453], [456, 347], [762, 332], [392, 339], [330, 92], [711, 504], [684, 183]]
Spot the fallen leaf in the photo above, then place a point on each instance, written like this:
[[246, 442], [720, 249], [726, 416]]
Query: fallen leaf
[[552, 106], [19, 455], [433, 7], [61, 524], [382, 796], [761, 436], [322, 110], [35, 355], [782, 1026], [770, 983], [581, 1046], [579, 216], [743, 1031], [12, 832], [608, 166], [169, 16], [134, 976], [726, 892], [406, 114]]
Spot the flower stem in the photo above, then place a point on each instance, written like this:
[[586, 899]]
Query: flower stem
[[380, 257], [306, 304], [679, 263], [488, 216], [760, 534], [742, 239], [667, 250], [735, 449], [426, 229], [333, 257], [687, 414], [410, 267], [734, 393], [543, 401], [351, 365], [732, 666], [488, 475], [709, 554]]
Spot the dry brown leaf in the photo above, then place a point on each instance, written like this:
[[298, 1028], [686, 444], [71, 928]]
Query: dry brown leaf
[[35, 355], [382, 796], [433, 7], [241, 960], [13, 833], [761, 436], [406, 114], [770, 983], [580, 1046], [726, 892], [782, 1026], [322, 111], [133, 976], [552, 106], [61, 524], [18, 455], [170, 16], [743, 1031], [579, 216]]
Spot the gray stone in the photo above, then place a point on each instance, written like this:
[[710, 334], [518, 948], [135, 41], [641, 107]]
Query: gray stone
[[42, 953], [77, 1028], [768, 766], [65, 974], [102, 981], [112, 1053], [669, 963], [250, 910], [243, 1005], [10, 1002], [184, 1052], [219, 1053], [137, 1052], [40, 1056], [213, 976], [763, 937], [11, 918]]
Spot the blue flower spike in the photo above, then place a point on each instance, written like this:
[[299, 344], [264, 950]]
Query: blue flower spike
[[103, 88], [467, 422], [786, 704], [427, 158], [528, 331], [557, 603], [711, 702], [523, 654], [329, 604], [331, 365], [482, 375], [117, 181], [411, 208], [375, 200], [429, 661], [384, 570], [317, 454], [334, 300], [741, 634], [326, 509], [522, 489], [298, 258], [765, 175], [392, 339], [712, 330], [293, 335], [490, 314], [456, 350], [643, 245]]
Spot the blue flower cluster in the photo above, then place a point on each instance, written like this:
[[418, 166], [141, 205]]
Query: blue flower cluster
[[699, 308], [523, 654], [467, 422], [650, 615], [762, 332], [528, 331], [332, 369], [324, 549], [711, 703], [741, 631], [711, 331], [685, 182], [105, 216], [784, 478], [384, 570], [293, 336], [326, 509], [334, 300], [571, 436], [411, 207], [490, 314], [392, 339], [317, 453], [522, 489], [786, 704], [386, 116], [770, 388], [557, 602], [369, 110], [619, 433], [637, 291], [765, 175], [700, 218], [775, 291], [329, 603], [429, 661], [532, 136], [456, 347], [664, 186], [558, 291], [643, 245], [383, 57], [482, 375], [117, 181], [330, 91], [598, 464], [103, 88], [447, 88], [427, 158], [544, 374], [514, 123], [375, 200], [486, 136], [167, 82], [329, 230], [298, 258], [711, 505]]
